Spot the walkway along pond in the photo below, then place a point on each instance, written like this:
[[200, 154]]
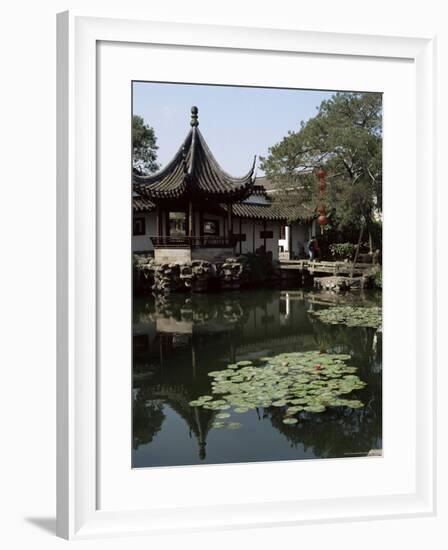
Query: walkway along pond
[[249, 271], [190, 408]]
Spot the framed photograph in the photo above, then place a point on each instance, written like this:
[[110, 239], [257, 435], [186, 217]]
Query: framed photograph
[[233, 349]]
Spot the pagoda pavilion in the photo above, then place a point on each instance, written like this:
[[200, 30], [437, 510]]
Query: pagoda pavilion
[[199, 211], [190, 185]]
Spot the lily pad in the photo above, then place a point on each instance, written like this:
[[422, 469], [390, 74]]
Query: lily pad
[[351, 316], [218, 425], [233, 425], [294, 410], [300, 386]]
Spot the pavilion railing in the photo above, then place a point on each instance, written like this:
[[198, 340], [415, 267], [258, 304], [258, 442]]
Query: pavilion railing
[[206, 241]]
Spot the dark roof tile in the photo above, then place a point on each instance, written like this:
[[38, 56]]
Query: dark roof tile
[[194, 172], [142, 204], [271, 212]]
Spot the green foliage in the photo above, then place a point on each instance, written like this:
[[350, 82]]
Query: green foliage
[[144, 146], [258, 268], [342, 250], [379, 280], [375, 229], [147, 422], [345, 137]]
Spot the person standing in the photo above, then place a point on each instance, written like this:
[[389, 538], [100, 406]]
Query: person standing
[[311, 248]]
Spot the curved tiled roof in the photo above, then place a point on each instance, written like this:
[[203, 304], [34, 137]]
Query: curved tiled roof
[[142, 204], [194, 172], [268, 212], [266, 183], [272, 212]]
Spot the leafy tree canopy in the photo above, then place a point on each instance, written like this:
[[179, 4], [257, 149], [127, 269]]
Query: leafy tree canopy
[[345, 138], [144, 147]]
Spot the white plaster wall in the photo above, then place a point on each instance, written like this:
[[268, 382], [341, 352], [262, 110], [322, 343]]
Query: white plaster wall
[[271, 244], [285, 242], [211, 254], [299, 233], [247, 227], [171, 255], [142, 243]]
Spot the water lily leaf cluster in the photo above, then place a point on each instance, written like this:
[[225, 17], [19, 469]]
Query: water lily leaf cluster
[[351, 316], [293, 382]]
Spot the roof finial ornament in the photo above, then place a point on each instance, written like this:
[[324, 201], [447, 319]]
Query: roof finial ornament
[[194, 116]]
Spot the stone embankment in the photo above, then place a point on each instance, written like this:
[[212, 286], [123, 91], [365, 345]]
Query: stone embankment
[[195, 276], [341, 284]]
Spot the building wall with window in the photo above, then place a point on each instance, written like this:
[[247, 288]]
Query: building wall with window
[[254, 234], [142, 242]]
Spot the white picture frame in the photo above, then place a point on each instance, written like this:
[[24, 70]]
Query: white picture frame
[[78, 388]]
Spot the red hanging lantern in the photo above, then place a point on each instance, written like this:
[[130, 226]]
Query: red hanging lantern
[[321, 173], [322, 220]]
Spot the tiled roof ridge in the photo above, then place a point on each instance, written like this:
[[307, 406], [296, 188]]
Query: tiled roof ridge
[[150, 178], [195, 171], [219, 168]]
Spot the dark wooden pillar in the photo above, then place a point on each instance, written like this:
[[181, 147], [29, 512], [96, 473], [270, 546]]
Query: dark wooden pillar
[[158, 221], [264, 233], [201, 223], [241, 232], [229, 220], [290, 240], [167, 221], [190, 219], [253, 237]]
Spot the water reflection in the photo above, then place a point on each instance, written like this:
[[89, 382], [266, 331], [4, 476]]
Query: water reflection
[[180, 338]]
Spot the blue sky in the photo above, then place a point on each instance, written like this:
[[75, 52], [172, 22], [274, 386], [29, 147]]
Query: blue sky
[[237, 122]]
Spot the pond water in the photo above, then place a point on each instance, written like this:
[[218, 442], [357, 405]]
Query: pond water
[[178, 340]]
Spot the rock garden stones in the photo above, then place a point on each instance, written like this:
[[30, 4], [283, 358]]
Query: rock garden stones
[[337, 283], [231, 273], [198, 275], [167, 278]]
